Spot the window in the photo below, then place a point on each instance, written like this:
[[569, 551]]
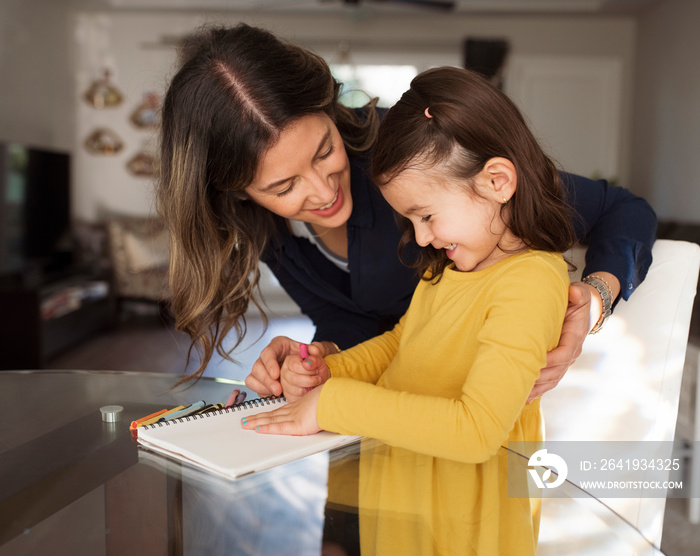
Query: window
[[364, 81]]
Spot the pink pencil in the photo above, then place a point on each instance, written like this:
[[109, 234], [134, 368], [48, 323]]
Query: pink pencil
[[232, 398], [304, 354]]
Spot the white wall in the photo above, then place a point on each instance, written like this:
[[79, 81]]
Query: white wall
[[36, 73], [102, 183], [666, 161]]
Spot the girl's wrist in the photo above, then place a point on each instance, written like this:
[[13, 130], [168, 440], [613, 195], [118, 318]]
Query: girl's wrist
[[328, 348]]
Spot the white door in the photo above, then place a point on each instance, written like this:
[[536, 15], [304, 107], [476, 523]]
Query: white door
[[573, 105]]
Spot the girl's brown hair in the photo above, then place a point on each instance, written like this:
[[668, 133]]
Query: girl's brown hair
[[235, 91], [471, 122]]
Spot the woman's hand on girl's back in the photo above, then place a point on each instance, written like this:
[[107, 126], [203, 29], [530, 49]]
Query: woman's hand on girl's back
[[573, 333]]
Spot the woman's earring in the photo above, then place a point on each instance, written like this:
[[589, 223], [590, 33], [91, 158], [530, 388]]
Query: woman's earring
[[505, 200]]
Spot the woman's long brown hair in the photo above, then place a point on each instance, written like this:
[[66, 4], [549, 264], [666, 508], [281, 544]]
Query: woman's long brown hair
[[471, 122], [235, 91]]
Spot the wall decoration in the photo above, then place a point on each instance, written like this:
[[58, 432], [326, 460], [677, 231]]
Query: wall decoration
[[147, 114], [143, 164], [103, 141], [102, 93]]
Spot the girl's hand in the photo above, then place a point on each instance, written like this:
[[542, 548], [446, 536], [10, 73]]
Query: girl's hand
[[294, 418], [298, 376]]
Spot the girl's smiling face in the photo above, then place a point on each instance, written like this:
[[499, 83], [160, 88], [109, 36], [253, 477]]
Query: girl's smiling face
[[305, 175], [446, 214]]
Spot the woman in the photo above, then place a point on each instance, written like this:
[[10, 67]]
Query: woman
[[261, 162]]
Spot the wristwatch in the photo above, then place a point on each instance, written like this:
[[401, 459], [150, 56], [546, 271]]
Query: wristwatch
[[605, 291]]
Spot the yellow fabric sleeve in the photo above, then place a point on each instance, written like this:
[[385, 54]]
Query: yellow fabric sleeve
[[367, 361]]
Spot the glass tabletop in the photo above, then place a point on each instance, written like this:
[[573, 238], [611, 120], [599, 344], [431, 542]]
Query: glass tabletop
[[73, 484]]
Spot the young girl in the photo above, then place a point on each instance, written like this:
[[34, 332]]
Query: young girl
[[447, 387]]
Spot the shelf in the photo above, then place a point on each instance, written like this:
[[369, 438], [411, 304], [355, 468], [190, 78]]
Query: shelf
[[33, 339]]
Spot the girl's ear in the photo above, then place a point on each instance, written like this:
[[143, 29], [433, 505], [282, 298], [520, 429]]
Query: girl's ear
[[502, 179]]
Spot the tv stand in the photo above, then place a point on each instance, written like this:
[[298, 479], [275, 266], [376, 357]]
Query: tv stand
[[47, 318]]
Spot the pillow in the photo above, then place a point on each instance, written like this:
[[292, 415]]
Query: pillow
[[146, 252]]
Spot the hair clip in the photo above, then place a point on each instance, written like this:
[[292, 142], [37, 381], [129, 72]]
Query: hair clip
[[427, 114]]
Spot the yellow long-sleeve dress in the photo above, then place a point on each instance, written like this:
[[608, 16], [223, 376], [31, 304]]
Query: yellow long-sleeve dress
[[443, 391]]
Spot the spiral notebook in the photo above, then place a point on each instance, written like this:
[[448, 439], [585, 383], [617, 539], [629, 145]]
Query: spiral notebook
[[216, 441]]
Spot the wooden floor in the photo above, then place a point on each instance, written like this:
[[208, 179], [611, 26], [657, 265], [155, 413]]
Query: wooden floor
[[139, 344], [144, 343]]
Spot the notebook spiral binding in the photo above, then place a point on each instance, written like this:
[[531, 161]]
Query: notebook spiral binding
[[257, 402]]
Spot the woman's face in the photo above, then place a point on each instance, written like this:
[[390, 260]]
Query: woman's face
[[306, 174]]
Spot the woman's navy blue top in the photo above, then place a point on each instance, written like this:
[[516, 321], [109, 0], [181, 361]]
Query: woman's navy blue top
[[618, 227]]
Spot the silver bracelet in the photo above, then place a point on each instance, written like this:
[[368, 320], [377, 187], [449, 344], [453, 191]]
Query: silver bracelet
[[605, 291]]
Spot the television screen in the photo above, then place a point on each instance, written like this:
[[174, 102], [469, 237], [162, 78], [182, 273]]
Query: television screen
[[35, 234]]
